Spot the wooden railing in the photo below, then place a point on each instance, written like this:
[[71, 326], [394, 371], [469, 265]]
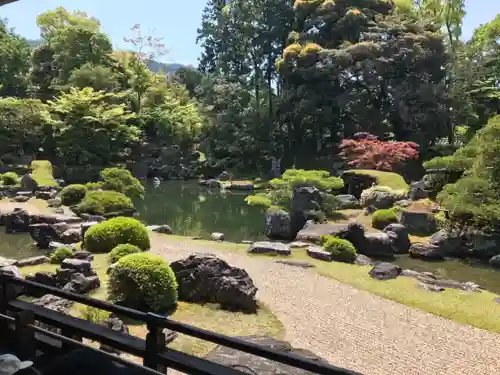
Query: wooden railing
[[17, 321]]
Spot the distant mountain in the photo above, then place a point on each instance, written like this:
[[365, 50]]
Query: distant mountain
[[154, 66]]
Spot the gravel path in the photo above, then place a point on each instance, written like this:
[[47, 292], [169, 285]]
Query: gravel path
[[355, 329]]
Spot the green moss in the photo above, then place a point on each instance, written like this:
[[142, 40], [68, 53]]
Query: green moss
[[382, 218], [42, 173], [102, 202], [122, 250], [60, 254], [390, 179], [340, 250], [73, 194], [10, 179]]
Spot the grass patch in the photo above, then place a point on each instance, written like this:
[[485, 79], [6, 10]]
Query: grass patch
[[390, 179], [204, 316], [42, 172]]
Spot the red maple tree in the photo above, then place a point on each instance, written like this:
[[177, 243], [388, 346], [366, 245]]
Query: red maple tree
[[377, 154]]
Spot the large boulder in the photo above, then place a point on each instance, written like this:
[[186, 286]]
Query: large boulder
[[278, 225], [381, 197], [312, 232], [376, 245], [44, 234], [28, 183], [449, 242], [252, 364], [204, 278], [305, 200], [419, 221], [399, 237], [53, 218], [482, 245], [426, 251], [78, 266], [17, 221], [385, 271], [355, 183], [347, 201]]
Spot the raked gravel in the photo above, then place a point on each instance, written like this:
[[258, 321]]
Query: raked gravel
[[355, 329]]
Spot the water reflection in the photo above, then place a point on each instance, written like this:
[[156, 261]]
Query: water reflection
[[17, 246], [192, 210]]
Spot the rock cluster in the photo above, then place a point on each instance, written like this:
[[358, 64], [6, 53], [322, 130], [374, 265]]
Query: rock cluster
[[204, 278]]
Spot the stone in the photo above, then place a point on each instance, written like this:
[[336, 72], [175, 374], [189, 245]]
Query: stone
[[380, 197], [295, 263], [300, 244], [278, 225], [33, 261], [317, 252], [376, 245], [224, 176], [164, 229], [44, 234], [212, 183], [240, 185], [385, 271], [217, 236], [45, 195], [449, 242], [418, 221], [78, 265], [399, 237], [81, 284], [266, 247], [356, 182], [363, 260], [495, 261], [431, 288], [54, 202], [54, 245], [12, 291], [426, 251], [312, 232], [17, 221], [45, 278], [114, 323], [27, 182], [84, 227], [347, 201], [418, 191], [305, 199], [257, 365], [52, 218], [4, 262], [71, 235], [21, 198], [83, 255], [204, 278]]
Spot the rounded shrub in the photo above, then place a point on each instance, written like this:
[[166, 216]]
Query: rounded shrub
[[121, 250], [144, 282], [10, 178], [382, 218], [102, 202], [105, 236], [73, 194], [60, 254], [339, 249]]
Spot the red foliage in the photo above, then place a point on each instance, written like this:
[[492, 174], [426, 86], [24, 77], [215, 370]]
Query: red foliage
[[376, 154]]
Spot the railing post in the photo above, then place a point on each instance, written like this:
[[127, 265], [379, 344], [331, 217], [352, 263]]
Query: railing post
[[155, 343], [25, 335]]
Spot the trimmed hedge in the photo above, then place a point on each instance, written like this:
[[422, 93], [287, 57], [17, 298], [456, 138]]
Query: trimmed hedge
[[103, 202], [382, 218], [339, 249], [60, 254], [144, 282], [10, 178], [122, 250], [104, 237], [73, 194]]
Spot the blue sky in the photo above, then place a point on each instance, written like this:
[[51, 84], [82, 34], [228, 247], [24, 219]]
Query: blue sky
[[176, 21]]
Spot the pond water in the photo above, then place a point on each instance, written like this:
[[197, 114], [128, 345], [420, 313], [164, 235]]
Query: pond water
[[192, 210]]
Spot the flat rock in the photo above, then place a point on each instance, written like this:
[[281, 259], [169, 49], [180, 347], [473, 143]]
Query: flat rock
[[363, 260], [4, 262], [266, 247], [217, 236], [312, 232], [300, 244], [258, 365], [295, 263], [163, 229], [33, 261], [317, 252], [426, 251], [385, 271]]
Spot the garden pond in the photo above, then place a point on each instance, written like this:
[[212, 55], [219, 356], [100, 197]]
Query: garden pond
[[191, 210]]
